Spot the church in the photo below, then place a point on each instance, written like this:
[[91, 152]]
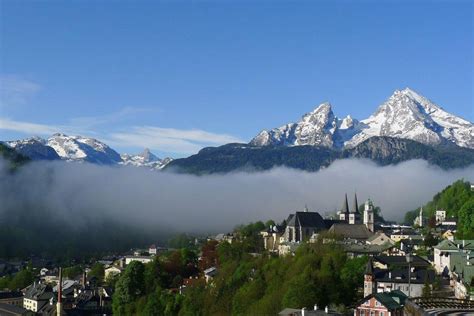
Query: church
[[353, 217]]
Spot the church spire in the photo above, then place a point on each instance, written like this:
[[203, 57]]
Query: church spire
[[355, 208], [345, 206]]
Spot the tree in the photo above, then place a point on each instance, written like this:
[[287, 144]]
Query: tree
[[21, 279], [129, 286], [97, 271]]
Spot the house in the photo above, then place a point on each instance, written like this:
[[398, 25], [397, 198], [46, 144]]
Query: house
[[112, 271], [142, 259], [440, 216], [449, 234], [408, 245], [380, 238], [444, 250], [388, 262], [307, 312], [409, 280], [223, 237], [11, 298], [210, 273], [462, 275], [37, 296], [404, 233], [302, 225], [382, 304], [152, 250], [355, 250], [271, 237], [287, 248], [13, 310]]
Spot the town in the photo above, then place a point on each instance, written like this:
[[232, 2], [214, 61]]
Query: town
[[393, 269]]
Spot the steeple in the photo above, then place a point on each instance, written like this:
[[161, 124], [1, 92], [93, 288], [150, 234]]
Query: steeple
[[355, 208], [345, 206], [369, 269], [420, 222]]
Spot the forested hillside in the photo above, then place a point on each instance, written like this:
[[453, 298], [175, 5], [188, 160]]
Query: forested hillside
[[458, 201], [246, 284]]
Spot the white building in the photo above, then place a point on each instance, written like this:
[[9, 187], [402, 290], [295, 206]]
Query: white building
[[142, 259], [440, 216]]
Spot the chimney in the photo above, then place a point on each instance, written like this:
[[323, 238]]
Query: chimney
[[59, 307], [303, 311]]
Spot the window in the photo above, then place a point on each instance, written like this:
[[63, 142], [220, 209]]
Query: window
[[362, 312], [382, 314], [372, 313]]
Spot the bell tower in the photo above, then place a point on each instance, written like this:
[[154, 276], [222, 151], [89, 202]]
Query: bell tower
[[369, 215], [369, 279]]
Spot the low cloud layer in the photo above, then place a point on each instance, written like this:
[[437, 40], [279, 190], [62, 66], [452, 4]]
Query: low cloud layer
[[77, 192]]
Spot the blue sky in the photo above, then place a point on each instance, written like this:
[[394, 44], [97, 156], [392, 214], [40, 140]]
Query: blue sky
[[177, 76]]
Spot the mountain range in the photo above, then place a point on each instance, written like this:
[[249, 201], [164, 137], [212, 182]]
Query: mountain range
[[406, 126], [82, 149], [406, 114]]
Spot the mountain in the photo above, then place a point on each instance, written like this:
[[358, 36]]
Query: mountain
[[406, 115], [145, 159], [78, 148], [383, 150], [34, 148]]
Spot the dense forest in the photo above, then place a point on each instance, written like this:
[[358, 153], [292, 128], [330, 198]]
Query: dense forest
[[247, 283], [458, 201]]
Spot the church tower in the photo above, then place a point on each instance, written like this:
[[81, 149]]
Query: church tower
[[420, 221], [369, 279], [344, 214], [354, 217], [369, 215]]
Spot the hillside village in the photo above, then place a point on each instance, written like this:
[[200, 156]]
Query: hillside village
[[405, 269]]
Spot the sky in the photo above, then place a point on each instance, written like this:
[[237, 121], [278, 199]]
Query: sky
[[176, 76]]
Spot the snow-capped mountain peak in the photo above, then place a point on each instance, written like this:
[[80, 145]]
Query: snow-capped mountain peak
[[145, 159], [82, 148], [405, 114]]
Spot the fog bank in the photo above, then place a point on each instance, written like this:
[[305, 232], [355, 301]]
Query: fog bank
[[77, 192]]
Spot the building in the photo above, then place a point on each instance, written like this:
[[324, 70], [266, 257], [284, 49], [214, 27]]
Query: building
[[445, 249], [152, 250], [209, 274], [358, 232], [380, 238], [271, 237], [37, 296], [350, 216], [462, 275], [302, 225], [11, 298], [13, 310], [419, 219], [382, 304], [440, 216], [111, 272], [142, 259], [369, 215], [397, 276]]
